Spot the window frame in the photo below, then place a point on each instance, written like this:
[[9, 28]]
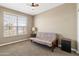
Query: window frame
[[17, 27]]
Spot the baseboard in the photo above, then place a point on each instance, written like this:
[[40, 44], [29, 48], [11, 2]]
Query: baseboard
[[12, 42], [77, 52], [59, 46], [72, 49]]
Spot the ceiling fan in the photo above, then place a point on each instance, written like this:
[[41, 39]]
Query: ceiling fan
[[34, 5]]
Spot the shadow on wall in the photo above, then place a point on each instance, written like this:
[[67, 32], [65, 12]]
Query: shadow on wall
[[59, 37]]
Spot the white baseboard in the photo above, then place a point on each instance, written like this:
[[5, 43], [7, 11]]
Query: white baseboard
[[59, 45], [12, 42], [77, 52]]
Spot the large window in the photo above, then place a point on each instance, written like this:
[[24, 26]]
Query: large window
[[21, 25], [14, 25]]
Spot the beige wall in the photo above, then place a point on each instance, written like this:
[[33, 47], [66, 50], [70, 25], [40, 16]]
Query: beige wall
[[61, 20], [14, 38]]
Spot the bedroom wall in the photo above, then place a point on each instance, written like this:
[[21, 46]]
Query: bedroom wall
[[61, 20], [4, 40]]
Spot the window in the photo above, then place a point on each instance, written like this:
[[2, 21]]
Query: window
[[14, 25], [21, 25]]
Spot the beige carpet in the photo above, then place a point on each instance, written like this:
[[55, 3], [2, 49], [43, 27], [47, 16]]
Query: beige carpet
[[28, 48]]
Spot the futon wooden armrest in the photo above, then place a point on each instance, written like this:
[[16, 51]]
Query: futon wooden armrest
[[54, 44]]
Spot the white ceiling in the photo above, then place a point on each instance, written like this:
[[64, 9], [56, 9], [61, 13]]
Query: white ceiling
[[25, 8]]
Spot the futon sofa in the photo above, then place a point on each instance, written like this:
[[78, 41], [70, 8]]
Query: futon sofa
[[48, 39]]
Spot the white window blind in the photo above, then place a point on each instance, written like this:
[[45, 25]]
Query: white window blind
[[14, 25]]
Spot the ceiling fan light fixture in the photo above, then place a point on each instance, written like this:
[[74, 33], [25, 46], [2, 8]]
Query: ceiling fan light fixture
[[34, 5]]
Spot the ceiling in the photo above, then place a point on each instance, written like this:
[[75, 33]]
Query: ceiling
[[26, 8]]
